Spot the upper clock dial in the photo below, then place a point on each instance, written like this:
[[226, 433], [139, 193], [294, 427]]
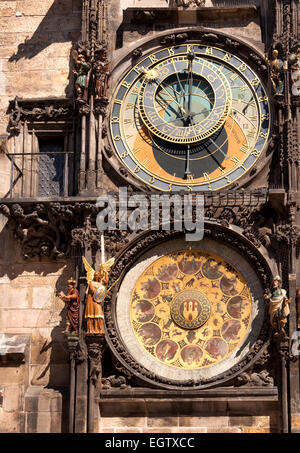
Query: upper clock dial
[[184, 101], [190, 117]]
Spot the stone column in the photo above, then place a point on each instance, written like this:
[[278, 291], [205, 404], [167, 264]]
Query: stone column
[[95, 345], [73, 341], [282, 345]]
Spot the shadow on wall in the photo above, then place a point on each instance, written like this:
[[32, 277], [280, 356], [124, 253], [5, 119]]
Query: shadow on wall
[[49, 356], [62, 23], [55, 370]]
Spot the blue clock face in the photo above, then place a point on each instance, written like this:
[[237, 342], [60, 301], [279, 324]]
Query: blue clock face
[[200, 102], [184, 101], [190, 117]]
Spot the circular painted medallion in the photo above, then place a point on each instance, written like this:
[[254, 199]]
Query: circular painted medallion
[[190, 309], [100, 294]]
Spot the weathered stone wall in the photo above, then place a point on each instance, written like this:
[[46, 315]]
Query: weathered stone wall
[[35, 42], [188, 416], [29, 307]]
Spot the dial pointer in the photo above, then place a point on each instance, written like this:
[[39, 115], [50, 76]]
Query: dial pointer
[[214, 143]]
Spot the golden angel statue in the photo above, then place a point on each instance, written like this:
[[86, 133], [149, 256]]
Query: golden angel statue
[[95, 294]]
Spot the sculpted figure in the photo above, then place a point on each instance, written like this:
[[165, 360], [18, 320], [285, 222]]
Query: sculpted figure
[[71, 300], [276, 72], [278, 306], [95, 295], [294, 65], [82, 73], [101, 74]]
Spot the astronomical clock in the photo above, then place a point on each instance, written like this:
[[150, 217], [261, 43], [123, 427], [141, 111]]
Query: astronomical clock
[[190, 117]]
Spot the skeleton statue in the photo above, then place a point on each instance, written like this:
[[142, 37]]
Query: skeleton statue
[[277, 68]]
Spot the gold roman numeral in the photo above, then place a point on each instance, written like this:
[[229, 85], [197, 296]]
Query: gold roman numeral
[[146, 161]]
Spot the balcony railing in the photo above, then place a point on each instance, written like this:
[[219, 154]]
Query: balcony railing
[[40, 174]]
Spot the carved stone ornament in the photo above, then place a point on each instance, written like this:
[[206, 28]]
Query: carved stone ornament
[[95, 348], [147, 241], [38, 110], [44, 229], [190, 3], [174, 38], [51, 228], [261, 374]]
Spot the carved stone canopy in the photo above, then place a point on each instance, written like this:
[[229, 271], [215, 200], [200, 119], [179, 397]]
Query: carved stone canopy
[[33, 110]]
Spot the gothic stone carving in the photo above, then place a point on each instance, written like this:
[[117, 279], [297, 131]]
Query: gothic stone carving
[[44, 110], [95, 347], [190, 3], [44, 230], [261, 374]]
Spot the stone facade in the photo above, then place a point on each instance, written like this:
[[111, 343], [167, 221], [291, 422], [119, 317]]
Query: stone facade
[[51, 382]]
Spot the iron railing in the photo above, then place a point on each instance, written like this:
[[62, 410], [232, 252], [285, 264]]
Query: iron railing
[[25, 175]]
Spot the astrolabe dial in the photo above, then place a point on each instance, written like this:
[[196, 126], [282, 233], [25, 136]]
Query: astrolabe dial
[[190, 309], [184, 101], [190, 117]]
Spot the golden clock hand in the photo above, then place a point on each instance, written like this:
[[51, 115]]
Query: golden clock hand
[[191, 57], [187, 172], [191, 116], [214, 143], [181, 108]]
